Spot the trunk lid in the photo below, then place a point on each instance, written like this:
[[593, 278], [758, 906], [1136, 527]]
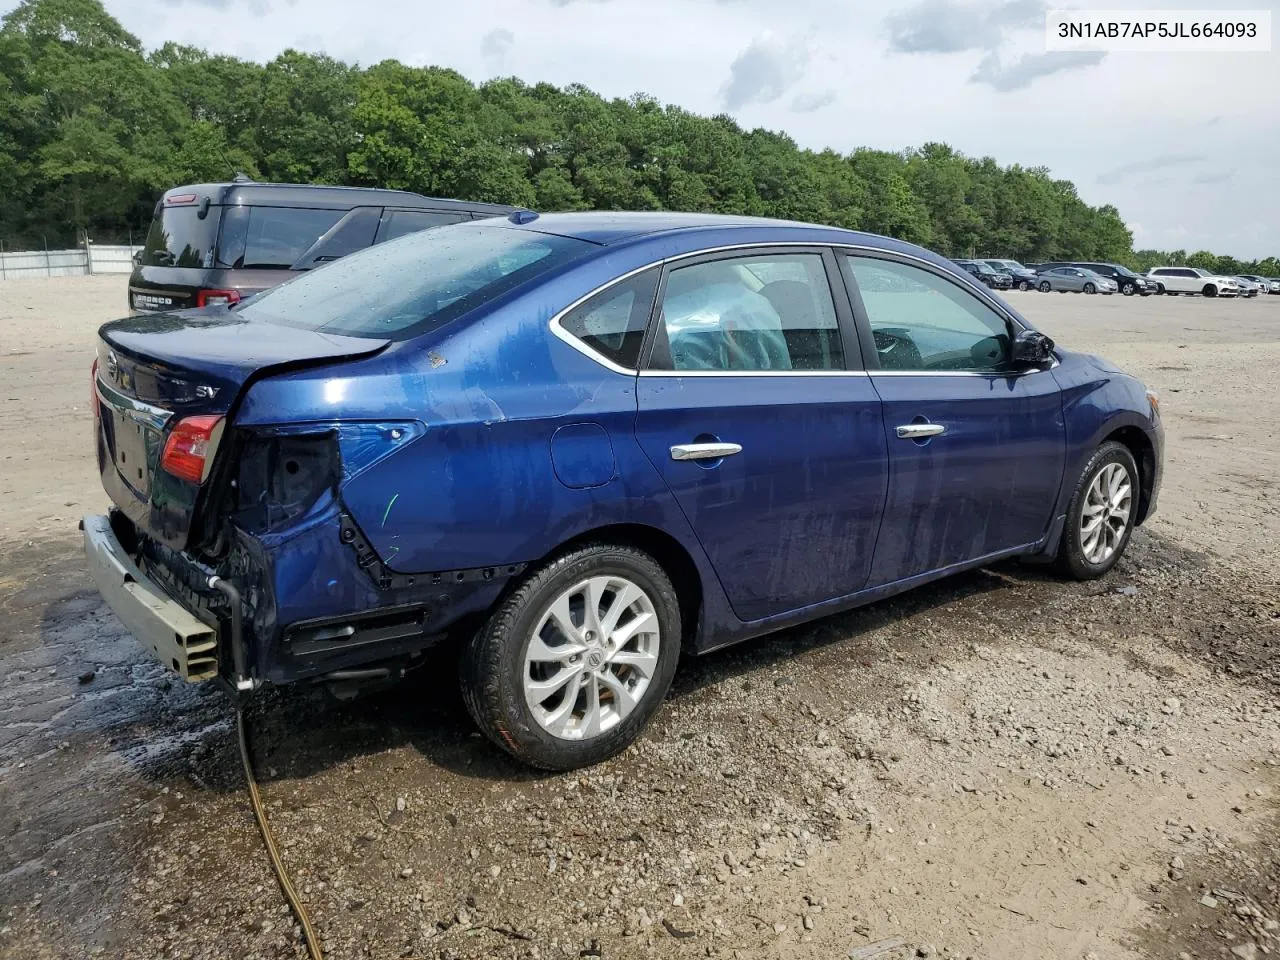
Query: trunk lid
[[154, 371]]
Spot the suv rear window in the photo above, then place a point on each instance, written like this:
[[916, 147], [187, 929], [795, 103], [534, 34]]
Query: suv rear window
[[415, 283], [179, 238]]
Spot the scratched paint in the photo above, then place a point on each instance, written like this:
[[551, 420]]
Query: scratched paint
[[387, 512]]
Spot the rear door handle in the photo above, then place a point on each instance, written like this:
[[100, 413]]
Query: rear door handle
[[704, 451], [917, 431]]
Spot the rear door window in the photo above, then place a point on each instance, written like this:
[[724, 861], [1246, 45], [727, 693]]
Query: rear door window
[[762, 313], [353, 232], [271, 238], [396, 223], [613, 321]]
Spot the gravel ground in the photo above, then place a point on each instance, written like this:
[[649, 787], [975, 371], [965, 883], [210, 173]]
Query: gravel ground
[[1002, 765]]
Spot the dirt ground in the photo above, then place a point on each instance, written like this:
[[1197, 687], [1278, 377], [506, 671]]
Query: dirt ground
[[1003, 765]]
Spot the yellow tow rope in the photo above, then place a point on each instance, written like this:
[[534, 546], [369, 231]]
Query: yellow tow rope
[[286, 885]]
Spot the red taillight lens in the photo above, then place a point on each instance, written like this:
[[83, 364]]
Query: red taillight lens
[[188, 453], [212, 298]]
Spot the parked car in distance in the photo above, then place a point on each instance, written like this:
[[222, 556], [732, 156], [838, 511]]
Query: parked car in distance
[[1265, 284], [223, 242], [978, 269], [721, 427], [1024, 278], [1175, 280], [1074, 280], [1125, 279], [1248, 288]]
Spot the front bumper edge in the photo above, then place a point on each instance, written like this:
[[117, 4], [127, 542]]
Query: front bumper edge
[[177, 638]]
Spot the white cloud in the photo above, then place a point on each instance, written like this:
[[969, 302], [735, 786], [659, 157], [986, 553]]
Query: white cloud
[[764, 71], [495, 44], [809, 102], [1030, 67]]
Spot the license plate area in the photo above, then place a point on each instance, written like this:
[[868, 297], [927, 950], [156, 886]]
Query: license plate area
[[136, 451]]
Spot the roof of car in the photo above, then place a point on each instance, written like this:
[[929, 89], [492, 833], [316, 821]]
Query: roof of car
[[324, 196], [610, 228]]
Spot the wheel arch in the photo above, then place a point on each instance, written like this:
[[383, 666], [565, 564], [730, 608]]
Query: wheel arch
[[667, 551], [1143, 450]]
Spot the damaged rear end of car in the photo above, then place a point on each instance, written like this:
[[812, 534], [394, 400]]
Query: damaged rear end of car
[[228, 440]]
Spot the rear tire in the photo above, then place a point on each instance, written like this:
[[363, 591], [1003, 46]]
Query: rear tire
[[560, 698], [1101, 515], [1045, 286], [1024, 285]]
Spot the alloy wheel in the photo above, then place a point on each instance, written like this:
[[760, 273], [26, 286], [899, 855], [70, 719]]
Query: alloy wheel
[[1105, 515], [591, 658]]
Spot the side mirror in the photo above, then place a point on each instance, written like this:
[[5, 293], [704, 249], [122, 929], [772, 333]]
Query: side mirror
[[1033, 348], [137, 258]]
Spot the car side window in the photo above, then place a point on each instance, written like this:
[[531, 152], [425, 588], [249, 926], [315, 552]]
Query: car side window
[[396, 223], [353, 232], [757, 313], [613, 321], [922, 322]]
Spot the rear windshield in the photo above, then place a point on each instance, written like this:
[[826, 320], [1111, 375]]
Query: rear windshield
[[179, 238], [417, 282]]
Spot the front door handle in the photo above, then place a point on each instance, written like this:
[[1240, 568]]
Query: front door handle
[[918, 431], [704, 451]]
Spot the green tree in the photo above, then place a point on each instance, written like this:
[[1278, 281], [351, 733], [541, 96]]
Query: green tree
[[93, 128]]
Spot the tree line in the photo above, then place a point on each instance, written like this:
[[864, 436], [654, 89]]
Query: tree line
[[93, 128]]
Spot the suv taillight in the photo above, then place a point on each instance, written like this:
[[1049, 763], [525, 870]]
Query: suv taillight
[[188, 452], [213, 298]]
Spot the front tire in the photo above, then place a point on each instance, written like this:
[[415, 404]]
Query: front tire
[[1101, 515], [1024, 286], [1090, 288], [1209, 290], [1045, 286], [572, 666], [1128, 289]]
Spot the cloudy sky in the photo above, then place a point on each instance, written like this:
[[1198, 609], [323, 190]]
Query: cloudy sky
[[1184, 144]]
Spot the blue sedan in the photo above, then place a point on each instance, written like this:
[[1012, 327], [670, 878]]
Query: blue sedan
[[576, 445]]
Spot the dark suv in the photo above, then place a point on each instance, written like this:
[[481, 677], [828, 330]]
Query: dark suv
[[221, 242], [983, 273]]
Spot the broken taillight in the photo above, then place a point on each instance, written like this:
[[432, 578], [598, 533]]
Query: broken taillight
[[188, 452]]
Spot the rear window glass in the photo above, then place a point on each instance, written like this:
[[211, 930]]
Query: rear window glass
[[179, 238], [271, 238], [613, 321], [420, 281]]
